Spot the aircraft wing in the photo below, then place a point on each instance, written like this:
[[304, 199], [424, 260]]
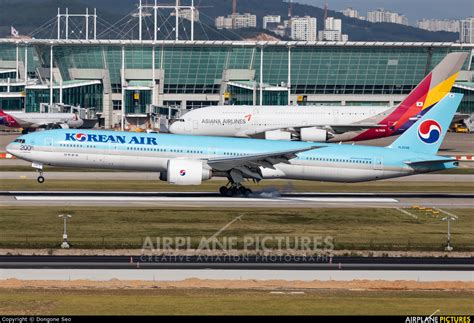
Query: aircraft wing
[[248, 165], [53, 125], [339, 129], [336, 129]]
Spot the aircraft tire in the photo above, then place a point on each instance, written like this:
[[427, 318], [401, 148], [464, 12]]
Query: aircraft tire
[[232, 192], [40, 179], [248, 192], [223, 190], [245, 191]]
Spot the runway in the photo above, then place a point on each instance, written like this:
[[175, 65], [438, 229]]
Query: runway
[[176, 268], [212, 199], [236, 262]]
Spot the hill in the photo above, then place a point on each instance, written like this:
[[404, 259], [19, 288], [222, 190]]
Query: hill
[[28, 15]]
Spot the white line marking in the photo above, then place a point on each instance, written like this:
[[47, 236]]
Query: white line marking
[[137, 198], [215, 235], [447, 213], [434, 313], [406, 212], [203, 199], [343, 199]]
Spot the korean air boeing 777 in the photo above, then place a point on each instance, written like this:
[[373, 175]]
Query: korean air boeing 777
[[189, 160]]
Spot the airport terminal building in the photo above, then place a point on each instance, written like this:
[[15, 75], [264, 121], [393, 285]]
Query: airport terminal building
[[135, 79]]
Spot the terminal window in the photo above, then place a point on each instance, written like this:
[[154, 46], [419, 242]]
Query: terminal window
[[117, 105]]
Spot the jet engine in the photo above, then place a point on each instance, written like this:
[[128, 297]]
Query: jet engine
[[314, 134], [277, 135], [75, 122], [186, 172]]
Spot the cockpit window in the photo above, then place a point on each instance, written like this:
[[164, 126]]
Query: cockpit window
[[176, 120], [20, 141]]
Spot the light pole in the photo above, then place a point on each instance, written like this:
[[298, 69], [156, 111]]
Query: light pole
[[449, 219], [65, 244]]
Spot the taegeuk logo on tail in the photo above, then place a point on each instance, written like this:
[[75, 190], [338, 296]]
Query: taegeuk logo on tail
[[429, 131]]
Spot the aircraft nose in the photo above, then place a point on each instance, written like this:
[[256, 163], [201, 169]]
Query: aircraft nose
[[10, 148], [175, 127], [13, 148]]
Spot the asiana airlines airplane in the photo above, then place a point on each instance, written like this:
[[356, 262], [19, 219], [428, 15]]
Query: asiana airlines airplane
[[189, 160], [324, 123]]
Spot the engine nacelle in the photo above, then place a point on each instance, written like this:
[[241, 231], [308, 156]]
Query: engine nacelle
[[277, 135], [314, 134], [186, 172], [75, 123]]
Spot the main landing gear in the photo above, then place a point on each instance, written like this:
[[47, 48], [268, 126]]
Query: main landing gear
[[235, 189]]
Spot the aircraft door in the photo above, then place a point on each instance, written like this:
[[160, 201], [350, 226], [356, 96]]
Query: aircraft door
[[188, 124], [373, 115], [336, 116], [48, 143], [255, 115], [195, 125], [378, 163], [97, 155], [112, 156]]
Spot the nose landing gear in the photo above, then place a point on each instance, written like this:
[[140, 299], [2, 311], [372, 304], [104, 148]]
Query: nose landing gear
[[39, 168], [40, 178]]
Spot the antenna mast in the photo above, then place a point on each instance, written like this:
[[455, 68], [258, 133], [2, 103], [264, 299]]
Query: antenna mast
[[234, 12], [325, 11]]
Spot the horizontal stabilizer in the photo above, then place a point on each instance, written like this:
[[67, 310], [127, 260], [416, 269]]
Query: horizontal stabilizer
[[428, 162]]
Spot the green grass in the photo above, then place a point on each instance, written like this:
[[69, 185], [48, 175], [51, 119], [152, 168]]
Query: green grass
[[215, 302], [155, 185], [125, 227]]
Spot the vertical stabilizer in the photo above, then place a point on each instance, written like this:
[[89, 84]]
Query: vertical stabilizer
[[427, 134]]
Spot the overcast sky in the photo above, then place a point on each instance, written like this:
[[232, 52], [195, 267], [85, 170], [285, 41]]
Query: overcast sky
[[413, 9]]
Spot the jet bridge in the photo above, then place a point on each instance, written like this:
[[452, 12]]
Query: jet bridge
[[162, 117], [90, 116]]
